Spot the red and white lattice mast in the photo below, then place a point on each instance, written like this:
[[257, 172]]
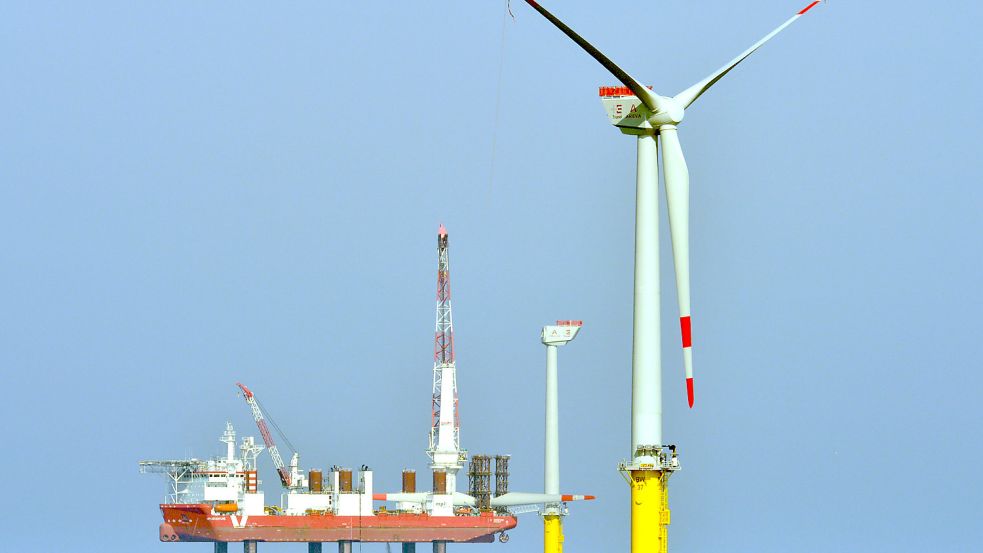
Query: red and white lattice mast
[[445, 431]]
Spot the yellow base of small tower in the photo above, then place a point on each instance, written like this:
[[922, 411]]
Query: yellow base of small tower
[[552, 534], [649, 511]]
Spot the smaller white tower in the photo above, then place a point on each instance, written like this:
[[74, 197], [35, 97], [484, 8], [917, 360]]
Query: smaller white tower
[[298, 480], [554, 336], [229, 438]]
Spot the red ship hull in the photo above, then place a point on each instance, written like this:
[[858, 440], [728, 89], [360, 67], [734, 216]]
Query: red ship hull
[[195, 522]]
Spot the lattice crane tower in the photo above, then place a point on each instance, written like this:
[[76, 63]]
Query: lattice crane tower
[[445, 430]]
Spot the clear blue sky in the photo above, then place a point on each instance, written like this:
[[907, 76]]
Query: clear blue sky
[[197, 193]]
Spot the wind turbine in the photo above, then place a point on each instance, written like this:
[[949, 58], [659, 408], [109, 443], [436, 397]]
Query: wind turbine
[[637, 110]]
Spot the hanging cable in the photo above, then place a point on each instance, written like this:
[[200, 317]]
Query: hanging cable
[[498, 95], [276, 426]]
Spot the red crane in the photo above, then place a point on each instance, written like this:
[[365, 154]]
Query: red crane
[[267, 438]]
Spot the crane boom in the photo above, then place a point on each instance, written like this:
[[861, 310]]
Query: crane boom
[[267, 438]]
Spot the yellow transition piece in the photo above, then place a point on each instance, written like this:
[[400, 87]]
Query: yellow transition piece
[[552, 534], [649, 511]]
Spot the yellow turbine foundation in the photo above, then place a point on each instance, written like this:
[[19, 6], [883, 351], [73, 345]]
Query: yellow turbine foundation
[[552, 534], [649, 511]]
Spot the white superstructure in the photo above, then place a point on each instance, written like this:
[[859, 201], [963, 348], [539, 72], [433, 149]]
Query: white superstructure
[[230, 484], [219, 481]]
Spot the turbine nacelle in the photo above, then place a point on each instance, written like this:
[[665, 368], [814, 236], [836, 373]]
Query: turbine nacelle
[[630, 114]]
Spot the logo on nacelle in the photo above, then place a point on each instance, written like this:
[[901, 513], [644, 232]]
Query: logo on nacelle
[[627, 112]]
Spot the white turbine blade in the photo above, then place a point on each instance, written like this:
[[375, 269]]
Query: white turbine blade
[[519, 498], [649, 98], [677, 199], [688, 96], [522, 498], [422, 497]]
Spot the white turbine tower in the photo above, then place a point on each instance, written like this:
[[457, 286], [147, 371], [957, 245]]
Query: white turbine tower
[[554, 336], [636, 110]]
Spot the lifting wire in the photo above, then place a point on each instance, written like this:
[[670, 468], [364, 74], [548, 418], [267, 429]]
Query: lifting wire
[[276, 427], [498, 97]]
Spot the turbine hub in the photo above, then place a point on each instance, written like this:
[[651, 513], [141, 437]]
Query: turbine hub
[[671, 114]]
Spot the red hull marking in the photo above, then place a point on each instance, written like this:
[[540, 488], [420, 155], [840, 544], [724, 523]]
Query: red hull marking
[[809, 7], [689, 391], [687, 330]]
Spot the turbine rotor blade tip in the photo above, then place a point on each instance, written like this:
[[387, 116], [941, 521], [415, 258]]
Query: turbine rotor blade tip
[[809, 7], [689, 391]]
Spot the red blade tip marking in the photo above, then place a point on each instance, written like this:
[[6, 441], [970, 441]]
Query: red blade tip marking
[[689, 391], [809, 7], [686, 327]]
